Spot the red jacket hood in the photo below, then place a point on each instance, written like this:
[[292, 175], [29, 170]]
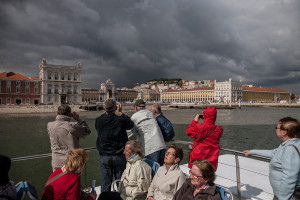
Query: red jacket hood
[[210, 115]]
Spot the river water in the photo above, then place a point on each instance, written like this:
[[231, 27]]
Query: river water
[[26, 134]]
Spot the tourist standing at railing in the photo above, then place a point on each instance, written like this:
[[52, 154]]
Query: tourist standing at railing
[[111, 140], [200, 185], [206, 137], [284, 172], [64, 134], [148, 133], [7, 187], [169, 178], [164, 124], [64, 183]]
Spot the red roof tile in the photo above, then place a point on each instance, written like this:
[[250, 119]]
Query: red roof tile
[[245, 88], [12, 75]]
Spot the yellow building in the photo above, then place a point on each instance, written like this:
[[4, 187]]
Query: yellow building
[[89, 95], [126, 95], [264, 95], [151, 95], [203, 94]]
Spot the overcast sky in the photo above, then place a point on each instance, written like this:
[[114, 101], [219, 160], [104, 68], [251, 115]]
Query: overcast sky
[[129, 41]]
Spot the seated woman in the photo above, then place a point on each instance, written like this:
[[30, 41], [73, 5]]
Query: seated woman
[[64, 183], [136, 178], [200, 185], [169, 178], [7, 187]]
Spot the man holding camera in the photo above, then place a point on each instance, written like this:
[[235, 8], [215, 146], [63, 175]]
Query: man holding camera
[[64, 135], [112, 137]]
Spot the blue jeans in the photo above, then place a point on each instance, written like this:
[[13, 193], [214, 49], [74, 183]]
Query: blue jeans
[[109, 166], [157, 156]]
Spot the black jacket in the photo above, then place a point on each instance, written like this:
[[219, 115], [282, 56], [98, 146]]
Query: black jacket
[[112, 134]]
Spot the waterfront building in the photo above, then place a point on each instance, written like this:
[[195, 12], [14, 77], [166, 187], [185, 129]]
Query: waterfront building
[[126, 95], [19, 89], [199, 95], [228, 91], [265, 95], [89, 95], [60, 83], [107, 90]]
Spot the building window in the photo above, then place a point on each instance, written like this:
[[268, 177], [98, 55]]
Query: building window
[[56, 76], [36, 87], [49, 89], [75, 99], [62, 76], [55, 98], [8, 86], [69, 76], [75, 90], [27, 101], [75, 77], [18, 86], [56, 89], [69, 90], [49, 75], [49, 99], [0, 101], [8, 101], [27, 87], [63, 89]]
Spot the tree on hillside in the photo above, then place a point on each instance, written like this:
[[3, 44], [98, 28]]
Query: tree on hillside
[[293, 97]]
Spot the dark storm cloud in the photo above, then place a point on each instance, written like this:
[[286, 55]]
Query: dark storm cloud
[[134, 41]]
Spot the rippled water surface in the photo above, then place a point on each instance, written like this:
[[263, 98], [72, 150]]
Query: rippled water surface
[[26, 134]]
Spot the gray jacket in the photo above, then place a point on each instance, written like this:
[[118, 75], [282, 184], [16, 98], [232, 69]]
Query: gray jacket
[[166, 182], [64, 136], [147, 131]]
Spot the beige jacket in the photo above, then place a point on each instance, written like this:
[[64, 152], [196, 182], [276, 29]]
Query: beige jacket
[[136, 178], [64, 136], [166, 183]]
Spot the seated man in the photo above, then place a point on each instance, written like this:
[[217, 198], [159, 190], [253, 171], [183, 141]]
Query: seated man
[[136, 178], [169, 178]]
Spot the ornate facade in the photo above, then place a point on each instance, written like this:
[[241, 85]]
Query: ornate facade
[[107, 90], [228, 91], [60, 84]]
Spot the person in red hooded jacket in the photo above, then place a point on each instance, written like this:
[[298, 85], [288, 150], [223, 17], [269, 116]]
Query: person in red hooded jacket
[[207, 137]]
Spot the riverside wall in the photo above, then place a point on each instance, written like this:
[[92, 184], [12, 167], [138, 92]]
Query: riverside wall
[[126, 107]]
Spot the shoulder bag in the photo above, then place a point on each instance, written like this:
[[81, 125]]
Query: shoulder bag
[[191, 150]]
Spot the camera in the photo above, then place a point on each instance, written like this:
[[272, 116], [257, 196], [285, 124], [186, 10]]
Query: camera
[[201, 116]]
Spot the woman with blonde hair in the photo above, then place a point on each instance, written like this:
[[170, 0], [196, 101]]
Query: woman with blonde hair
[[64, 183]]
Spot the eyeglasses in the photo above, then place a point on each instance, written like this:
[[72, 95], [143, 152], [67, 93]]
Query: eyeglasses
[[167, 153], [276, 128], [197, 177]]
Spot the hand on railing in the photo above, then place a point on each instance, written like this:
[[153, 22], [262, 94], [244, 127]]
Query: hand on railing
[[247, 152]]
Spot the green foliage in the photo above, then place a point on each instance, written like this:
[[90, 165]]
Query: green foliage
[[293, 96], [167, 81]]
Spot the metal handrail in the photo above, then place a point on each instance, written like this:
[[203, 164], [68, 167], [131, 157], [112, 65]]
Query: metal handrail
[[236, 154], [237, 163]]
